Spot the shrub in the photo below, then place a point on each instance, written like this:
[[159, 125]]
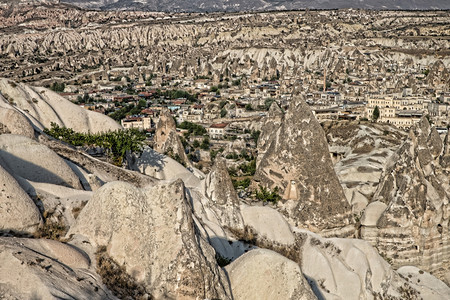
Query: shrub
[[267, 195], [117, 143]]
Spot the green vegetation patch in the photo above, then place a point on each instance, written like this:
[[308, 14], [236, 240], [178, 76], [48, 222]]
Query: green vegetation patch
[[116, 143]]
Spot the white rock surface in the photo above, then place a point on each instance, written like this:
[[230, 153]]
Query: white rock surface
[[17, 211], [162, 167], [372, 213], [151, 232], [350, 269], [429, 286], [264, 274], [13, 121], [42, 106], [268, 223], [26, 158], [46, 269]]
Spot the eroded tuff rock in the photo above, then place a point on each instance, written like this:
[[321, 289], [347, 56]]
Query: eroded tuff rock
[[18, 213], [26, 158], [360, 152], [152, 234], [167, 140], [264, 274], [445, 158], [42, 107], [12, 121], [352, 269], [223, 198], [271, 123], [298, 163], [46, 269], [160, 166], [415, 189]]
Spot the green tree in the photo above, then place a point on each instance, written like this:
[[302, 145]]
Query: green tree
[[376, 113]]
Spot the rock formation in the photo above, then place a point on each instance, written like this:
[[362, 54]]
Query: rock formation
[[151, 232], [28, 159], [271, 124], [42, 107], [413, 205], [223, 197], [17, 211], [298, 163], [352, 269], [12, 121], [360, 153], [46, 269], [264, 274], [166, 138]]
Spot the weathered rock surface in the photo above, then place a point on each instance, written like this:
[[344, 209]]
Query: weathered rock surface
[[152, 234], [360, 153], [42, 106], [12, 121], [264, 274], [163, 167], [413, 229], [26, 158], [166, 138], [271, 123], [223, 198], [352, 269], [298, 163], [268, 224], [18, 213], [429, 286], [46, 269]]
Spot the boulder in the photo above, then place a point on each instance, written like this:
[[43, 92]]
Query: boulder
[[264, 274], [151, 233], [18, 212], [26, 158], [372, 213]]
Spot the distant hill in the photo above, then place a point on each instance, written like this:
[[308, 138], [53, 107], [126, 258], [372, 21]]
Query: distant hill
[[259, 5]]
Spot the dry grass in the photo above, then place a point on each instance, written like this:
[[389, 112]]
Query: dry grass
[[117, 279]]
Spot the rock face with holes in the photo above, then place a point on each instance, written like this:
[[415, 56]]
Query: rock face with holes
[[414, 192], [167, 140], [297, 161], [222, 196], [46, 269], [264, 274], [151, 233]]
